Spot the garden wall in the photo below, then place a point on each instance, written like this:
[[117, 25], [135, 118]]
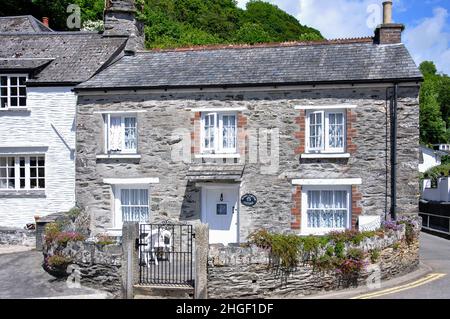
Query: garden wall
[[17, 237], [99, 266], [244, 272]]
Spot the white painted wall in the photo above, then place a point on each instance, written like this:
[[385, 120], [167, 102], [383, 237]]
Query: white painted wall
[[47, 106], [439, 194], [430, 159]]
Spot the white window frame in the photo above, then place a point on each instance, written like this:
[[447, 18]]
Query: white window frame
[[8, 94], [27, 177], [218, 133], [107, 125], [324, 149], [305, 230], [117, 213]]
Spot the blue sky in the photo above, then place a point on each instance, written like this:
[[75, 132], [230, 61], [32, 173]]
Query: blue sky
[[427, 22]]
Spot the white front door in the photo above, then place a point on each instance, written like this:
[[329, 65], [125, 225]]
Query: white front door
[[220, 212]]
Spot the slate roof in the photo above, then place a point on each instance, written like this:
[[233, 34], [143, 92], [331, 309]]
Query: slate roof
[[22, 24], [23, 64], [76, 56], [297, 63]]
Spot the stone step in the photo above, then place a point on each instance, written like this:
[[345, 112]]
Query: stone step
[[163, 292]]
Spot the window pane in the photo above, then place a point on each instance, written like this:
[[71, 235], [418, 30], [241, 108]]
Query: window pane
[[4, 81], [130, 133], [209, 129], [22, 80], [33, 161], [336, 130], [11, 161], [115, 134], [22, 183], [3, 172], [3, 183], [4, 91], [14, 91], [33, 183], [22, 91], [41, 183], [3, 102], [2, 161], [41, 161], [315, 130], [229, 132], [22, 101], [13, 80], [32, 172]]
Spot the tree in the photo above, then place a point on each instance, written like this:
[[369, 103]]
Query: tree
[[428, 68], [252, 33]]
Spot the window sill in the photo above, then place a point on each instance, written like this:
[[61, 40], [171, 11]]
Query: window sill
[[114, 232], [320, 231], [22, 194], [325, 155], [119, 156], [15, 109], [224, 155]]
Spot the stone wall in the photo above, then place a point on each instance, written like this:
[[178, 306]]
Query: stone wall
[[17, 237], [244, 272], [168, 115], [99, 266]]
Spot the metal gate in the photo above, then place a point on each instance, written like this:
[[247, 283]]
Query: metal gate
[[166, 254]]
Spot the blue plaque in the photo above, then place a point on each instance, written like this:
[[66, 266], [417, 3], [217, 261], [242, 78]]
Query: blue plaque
[[249, 200]]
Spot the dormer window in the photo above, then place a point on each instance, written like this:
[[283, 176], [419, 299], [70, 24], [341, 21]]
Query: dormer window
[[13, 91]]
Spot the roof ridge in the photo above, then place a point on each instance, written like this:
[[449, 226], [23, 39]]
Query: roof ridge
[[262, 45]]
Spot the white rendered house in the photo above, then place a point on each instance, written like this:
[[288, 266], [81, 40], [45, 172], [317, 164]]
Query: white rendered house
[[38, 70]]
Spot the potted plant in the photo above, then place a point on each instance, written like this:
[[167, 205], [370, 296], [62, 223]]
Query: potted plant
[[56, 265]]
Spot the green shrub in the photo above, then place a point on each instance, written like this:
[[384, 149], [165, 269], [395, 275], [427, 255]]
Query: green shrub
[[105, 240], [58, 261], [374, 255], [51, 232], [74, 213]]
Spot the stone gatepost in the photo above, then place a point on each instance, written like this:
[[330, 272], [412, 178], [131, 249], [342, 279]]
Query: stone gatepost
[[130, 262], [201, 261]]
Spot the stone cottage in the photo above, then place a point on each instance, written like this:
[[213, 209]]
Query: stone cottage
[[292, 137], [39, 68]]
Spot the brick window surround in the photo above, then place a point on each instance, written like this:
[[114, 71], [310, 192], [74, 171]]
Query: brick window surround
[[350, 132], [196, 122], [296, 210]]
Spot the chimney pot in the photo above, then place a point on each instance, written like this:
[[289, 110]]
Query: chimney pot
[[387, 12], [45, 21]]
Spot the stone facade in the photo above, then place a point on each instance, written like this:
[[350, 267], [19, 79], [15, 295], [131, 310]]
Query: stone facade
[[237, 272], [165, 118]]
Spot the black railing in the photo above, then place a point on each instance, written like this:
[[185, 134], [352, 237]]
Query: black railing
[[166, 254]]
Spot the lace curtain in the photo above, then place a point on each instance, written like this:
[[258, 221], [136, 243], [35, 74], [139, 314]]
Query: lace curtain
[[327, 209], [134, 205], [115, 134]]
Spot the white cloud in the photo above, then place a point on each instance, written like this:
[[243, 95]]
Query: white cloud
[[341, 18], [428, 40]]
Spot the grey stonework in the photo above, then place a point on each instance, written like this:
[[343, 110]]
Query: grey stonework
[[238, 272], [17, 237], [96, 266], [177, 197]]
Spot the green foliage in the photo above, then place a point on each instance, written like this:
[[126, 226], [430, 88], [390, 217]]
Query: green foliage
[[434, 106], [179, 23], [51, 231], [105, 240], [436, 172], [374, 255], [58, 261], [74, 213], [428, 68]]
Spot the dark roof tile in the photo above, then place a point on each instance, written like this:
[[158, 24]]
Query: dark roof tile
[[341, 60]]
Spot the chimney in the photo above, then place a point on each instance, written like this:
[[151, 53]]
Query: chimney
[[120, 20], [45, 22], [388, 32]]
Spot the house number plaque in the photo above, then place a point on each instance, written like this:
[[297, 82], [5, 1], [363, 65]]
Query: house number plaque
[[249, 200]]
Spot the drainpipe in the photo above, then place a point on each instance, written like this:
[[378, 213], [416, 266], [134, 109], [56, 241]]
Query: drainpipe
[[394, 153]]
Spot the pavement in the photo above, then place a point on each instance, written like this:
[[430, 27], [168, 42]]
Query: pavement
[[22, 277]]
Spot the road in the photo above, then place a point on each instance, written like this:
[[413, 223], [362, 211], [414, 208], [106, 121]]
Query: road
[[434, 252], [21, 277]]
